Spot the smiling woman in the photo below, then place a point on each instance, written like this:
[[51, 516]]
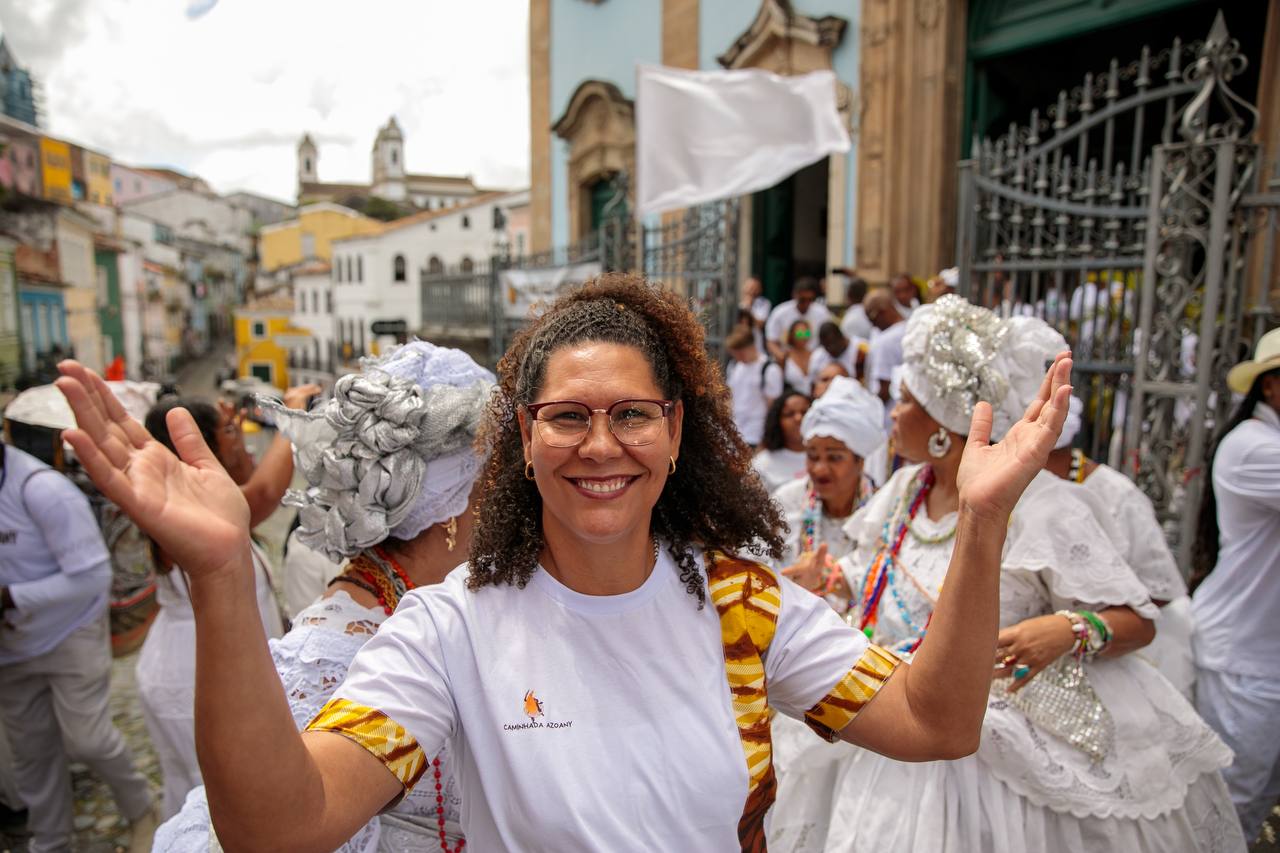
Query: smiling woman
[[617, 340], [593, 700]]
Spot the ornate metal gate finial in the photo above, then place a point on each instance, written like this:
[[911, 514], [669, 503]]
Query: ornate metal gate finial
[[1218, 61]]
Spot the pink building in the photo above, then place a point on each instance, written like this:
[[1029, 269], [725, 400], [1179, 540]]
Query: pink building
[[20, 168], [130, 184]]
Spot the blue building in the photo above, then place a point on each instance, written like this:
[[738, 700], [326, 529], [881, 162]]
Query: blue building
[[17, 89], [582, 64]]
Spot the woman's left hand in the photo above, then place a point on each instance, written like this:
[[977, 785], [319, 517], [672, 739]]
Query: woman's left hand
[[992, 477], [1033, 643]]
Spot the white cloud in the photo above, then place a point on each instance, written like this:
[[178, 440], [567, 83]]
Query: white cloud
[[227, 95]]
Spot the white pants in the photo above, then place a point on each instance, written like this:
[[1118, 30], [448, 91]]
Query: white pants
[[55, 709], [1245, 712]]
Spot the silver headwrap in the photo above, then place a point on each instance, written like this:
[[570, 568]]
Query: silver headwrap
[[956, 353], [391, 453]]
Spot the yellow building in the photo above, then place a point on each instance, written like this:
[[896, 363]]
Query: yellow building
[[97, 170], [264, 337], [309, 235], [55, 169]]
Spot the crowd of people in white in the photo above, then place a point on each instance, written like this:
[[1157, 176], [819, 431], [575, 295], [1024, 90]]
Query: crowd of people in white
[[1124, 711]]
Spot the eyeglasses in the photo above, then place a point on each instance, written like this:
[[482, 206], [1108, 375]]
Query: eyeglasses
[[565, 423]]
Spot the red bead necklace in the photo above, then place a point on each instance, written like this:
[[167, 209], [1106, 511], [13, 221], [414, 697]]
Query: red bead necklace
[[444, 838]]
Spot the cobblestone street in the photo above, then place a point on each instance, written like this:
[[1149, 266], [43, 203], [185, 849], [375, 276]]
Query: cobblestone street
[[99, 829]]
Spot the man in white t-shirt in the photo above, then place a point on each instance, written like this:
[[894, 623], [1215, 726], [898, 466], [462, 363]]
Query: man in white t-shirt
[[836, 347], [855, 323], [906, 296], [55, 653], [803, 305], [754, 382], [886, 348]]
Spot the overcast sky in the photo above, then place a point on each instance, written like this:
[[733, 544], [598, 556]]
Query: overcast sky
[[228, 95]]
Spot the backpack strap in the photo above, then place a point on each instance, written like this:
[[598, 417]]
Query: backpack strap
[[747, 598]]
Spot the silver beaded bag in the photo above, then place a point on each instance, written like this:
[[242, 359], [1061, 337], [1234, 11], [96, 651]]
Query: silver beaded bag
[[1061, 701]]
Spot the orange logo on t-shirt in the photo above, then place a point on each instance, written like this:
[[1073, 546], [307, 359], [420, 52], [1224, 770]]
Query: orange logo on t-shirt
[[532, 706]]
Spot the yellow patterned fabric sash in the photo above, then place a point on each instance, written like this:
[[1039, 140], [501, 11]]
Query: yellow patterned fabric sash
[[838, 708], [376, 732], [747, 598]]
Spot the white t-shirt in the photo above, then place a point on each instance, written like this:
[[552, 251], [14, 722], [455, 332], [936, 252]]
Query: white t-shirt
[[905, 311], [855, 324], [849, 359], [779, 467], [760, 308], [1235, 607], [885, 354], [52, 558], [578, 722], [751, 385], [786, 313]]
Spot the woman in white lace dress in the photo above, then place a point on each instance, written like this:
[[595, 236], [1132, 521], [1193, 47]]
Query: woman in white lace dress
[[1129, 518], [1084, 747], [405, 536]]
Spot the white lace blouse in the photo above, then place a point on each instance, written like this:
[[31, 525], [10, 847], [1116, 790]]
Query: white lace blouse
[[312, 660], [1056, 556]]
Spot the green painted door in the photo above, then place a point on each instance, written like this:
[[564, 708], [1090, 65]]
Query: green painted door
[[772, 213], [1021, 53]]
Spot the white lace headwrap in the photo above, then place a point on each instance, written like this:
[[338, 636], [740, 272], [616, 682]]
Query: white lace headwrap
[[391, 453], [850, 414], [956, 353]]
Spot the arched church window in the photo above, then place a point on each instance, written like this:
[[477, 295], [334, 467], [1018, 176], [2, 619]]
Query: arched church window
[[399, 268]]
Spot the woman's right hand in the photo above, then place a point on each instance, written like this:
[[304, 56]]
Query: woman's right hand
[[188, 505]]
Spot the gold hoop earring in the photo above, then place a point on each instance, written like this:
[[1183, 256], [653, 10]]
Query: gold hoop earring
[[528, 471], [451, 533], [672, 469]]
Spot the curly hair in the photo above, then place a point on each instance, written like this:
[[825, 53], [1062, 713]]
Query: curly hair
[[713, 501]]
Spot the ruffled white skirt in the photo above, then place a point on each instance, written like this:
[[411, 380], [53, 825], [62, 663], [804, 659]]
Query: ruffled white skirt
[[1024, 791]]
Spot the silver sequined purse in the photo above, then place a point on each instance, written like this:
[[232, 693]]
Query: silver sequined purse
[[1061, 701]]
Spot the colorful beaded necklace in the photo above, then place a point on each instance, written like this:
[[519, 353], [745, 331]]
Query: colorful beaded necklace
[[813, 512], [880, 574], [377, 573]]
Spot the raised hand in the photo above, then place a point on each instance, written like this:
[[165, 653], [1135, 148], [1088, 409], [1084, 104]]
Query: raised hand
[[992, 477], [810, 569], [189, 505]]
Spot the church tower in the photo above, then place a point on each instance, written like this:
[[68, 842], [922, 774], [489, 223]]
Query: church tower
[[388, 163], [308, 161]]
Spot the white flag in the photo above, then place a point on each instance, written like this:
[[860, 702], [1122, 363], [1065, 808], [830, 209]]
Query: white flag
[[707, 135]]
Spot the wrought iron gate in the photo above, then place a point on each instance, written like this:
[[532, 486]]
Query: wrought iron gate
[[694, 253], [1122, 216]]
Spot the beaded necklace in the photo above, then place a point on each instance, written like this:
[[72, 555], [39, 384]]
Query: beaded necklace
[[880, 574], [377, 573], [1076, 473], [813, 512]]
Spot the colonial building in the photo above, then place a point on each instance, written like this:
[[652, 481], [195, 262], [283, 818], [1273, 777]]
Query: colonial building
[[582, 117], [940, 73], [308, 237], [917, 79], [378, 278], [391, 179], [17, 88]]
